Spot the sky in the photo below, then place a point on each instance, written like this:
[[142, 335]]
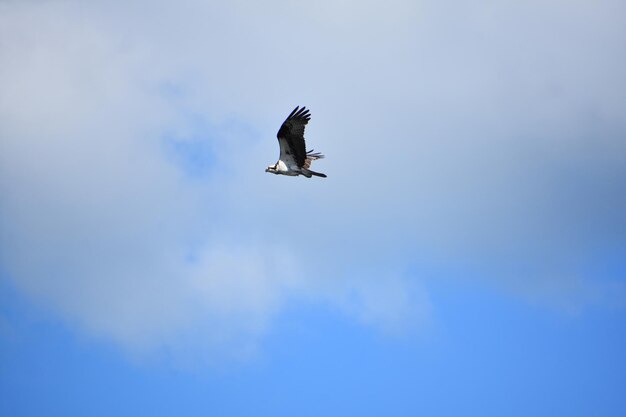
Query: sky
[[465, 255]]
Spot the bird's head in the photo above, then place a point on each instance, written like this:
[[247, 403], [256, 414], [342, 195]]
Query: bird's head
[[272, 169]]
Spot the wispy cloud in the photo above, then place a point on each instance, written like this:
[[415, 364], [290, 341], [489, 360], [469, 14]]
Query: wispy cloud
[[134, 200]]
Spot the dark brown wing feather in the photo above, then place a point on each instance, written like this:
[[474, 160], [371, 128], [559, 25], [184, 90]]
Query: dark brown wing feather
[[292, 132]]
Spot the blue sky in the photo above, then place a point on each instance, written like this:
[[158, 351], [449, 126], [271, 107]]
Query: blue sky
[[465, 255]]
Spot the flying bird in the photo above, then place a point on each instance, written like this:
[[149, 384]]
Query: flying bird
[[294, 159]]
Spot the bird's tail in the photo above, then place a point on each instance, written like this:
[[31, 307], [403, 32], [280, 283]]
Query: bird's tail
[[310, 157], [307, 173]]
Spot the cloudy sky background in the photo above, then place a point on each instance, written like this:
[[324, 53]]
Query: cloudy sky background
[[469, 241]]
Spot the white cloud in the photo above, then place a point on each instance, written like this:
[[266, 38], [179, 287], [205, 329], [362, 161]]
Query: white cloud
[[481, 138]]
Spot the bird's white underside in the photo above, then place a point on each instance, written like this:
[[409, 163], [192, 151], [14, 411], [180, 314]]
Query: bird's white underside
[[287, 167]]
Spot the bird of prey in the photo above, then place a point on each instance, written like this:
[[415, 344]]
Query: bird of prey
[[294, 159]]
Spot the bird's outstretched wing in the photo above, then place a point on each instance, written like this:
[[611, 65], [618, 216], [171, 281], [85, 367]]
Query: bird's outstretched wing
[[291, 136]]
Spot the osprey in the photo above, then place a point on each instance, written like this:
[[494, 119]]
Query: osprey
[[294, 158]]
